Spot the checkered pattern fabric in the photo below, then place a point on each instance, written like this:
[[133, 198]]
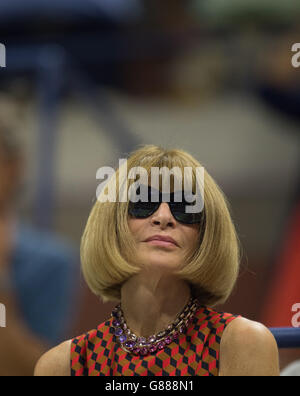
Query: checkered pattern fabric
[[195, 353]]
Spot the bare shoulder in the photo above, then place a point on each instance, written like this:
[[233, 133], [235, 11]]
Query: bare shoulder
[[248, 348], [55, 362]]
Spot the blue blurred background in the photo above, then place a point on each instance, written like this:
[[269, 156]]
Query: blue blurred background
[[86, 81]]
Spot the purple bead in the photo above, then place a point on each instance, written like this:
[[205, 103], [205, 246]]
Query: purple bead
[[118, 331], [142, 340], [122, 338], [136, 351], [153, 348], [168, 340], [129, 344], [116, 323], [144, 351], [161, 345], [175, 336]]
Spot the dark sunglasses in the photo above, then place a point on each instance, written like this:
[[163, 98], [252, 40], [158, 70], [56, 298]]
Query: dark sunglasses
[[141, 210]]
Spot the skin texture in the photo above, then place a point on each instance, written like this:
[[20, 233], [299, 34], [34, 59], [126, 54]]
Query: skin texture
[[247, 347], [56, 362]]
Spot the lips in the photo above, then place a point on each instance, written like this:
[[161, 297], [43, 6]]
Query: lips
[[162, 238]]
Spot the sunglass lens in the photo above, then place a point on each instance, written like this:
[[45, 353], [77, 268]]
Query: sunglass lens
[[142, 209], [180, 214]]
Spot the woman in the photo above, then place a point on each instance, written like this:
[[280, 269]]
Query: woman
[[167, 270]]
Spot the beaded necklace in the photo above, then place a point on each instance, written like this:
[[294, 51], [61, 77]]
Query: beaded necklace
[[142, 346]]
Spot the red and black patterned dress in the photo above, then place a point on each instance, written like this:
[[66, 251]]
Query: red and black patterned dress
[[194, 353]]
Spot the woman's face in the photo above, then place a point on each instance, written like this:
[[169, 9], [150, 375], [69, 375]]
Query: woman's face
[[157, 254]]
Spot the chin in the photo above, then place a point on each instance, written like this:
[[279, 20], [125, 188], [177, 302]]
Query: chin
[[159, 264]]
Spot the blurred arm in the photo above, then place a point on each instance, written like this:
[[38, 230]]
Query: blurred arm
[[19, 348]]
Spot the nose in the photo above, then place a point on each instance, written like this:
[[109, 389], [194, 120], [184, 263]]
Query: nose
[[163, 216]]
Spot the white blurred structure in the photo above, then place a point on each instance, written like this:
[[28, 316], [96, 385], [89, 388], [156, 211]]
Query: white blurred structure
[[292, 370]]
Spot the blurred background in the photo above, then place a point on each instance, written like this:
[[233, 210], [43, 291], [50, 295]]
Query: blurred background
[[87, 81]]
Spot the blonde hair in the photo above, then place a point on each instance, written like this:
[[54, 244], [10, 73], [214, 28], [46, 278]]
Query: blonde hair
[[107, 244]]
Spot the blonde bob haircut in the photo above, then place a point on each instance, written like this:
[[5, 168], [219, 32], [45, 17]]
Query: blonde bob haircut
[[108, 246]]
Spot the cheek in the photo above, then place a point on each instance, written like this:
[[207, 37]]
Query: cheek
[[135, 225], [130, 223], [192, 239]]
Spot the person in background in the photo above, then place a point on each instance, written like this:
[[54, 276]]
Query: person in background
[[38, 274]]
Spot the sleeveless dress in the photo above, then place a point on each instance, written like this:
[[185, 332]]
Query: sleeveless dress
[[194, 353]]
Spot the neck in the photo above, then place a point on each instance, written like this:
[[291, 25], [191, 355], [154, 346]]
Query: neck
[[151, 301]]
